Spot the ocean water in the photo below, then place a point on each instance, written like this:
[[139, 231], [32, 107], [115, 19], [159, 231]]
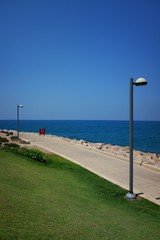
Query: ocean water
[[146, 133]]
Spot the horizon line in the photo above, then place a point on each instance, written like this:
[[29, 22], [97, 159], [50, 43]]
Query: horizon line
[[79, 120]]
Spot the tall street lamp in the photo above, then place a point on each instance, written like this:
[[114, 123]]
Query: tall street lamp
[[139, 82], [18, 107]]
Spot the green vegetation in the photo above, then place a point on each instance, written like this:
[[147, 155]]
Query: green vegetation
[[11, 145], [15, 138], [61, 200], [3, 140], [31, 153]]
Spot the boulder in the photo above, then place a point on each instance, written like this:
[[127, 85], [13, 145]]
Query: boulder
[[115, 149], [126, 149], [106, 147], [99, 145], [123, 154]]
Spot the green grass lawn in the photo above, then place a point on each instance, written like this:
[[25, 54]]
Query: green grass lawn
[[61, 200]]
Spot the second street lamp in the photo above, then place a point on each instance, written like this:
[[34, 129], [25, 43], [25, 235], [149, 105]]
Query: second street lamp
[[18, 106], [139, 82]]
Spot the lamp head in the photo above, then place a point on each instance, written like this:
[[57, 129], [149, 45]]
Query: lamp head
[[140, 82], [21, 106]]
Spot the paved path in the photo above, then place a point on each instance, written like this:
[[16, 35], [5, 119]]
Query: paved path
[[146, 181]]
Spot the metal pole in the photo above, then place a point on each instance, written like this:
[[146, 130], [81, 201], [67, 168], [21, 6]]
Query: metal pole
[[18, 121], [131, 137], [130, 194]]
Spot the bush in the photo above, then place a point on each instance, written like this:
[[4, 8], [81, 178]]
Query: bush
[[3, 140], [14, 138], [32, 153], [11, 145]]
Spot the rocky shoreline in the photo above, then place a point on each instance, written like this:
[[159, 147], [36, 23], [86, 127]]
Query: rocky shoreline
[[141, 158]]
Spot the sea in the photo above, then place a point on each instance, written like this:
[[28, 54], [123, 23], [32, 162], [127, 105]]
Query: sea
[[146, 133]]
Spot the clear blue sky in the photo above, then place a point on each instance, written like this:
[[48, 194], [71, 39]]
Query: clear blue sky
[[72, 59]]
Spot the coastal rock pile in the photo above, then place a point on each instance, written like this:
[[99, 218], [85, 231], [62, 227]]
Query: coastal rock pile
[[115, 150], [142, 158]]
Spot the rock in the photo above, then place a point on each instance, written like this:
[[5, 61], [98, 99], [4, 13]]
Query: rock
[[123, 154], [158, 155], [126, 149], [81, 141], [138, 156], [154, 157], [115, 149], [106, 147], [136, 153], [86, 144], [99, 145]]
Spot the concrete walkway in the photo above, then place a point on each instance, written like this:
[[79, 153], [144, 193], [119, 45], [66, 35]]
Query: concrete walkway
[[146, 181]]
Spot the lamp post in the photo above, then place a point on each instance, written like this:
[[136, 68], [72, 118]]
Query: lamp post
[[139, 82], [18, 107]]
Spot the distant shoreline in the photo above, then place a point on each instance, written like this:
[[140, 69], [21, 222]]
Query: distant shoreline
[[146, 133]]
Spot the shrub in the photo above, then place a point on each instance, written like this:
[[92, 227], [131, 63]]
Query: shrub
[[35, 155], [3, 140], [11, 145], [14, 138], [32, 153]]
